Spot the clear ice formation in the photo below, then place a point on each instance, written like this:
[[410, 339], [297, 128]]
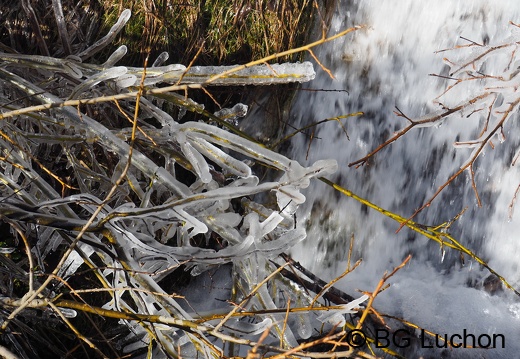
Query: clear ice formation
[[154, 219]]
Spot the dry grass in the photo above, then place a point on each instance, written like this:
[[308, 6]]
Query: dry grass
[[229, 31]]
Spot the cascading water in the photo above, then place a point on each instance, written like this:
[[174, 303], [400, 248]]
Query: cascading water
[[388, 65]]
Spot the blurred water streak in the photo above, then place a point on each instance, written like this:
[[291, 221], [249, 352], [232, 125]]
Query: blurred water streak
[[386, 66]]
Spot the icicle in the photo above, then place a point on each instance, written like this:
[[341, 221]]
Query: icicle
[[126, 80], [197, 161], [74, 260], [72, 69], [273, 248], [163, 117], [270, 223], [68, 313], [304, 327], [108, 74], [161, 59], [115, 57], [159, 74], [336, 317], [108, 38], [221, 158]]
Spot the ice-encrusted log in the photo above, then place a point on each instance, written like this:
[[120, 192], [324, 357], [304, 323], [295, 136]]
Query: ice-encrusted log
[[265, 74]]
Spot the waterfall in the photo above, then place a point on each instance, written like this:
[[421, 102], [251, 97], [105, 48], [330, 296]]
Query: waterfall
[[377, 69]]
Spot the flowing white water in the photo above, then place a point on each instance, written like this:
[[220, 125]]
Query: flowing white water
[[385, 66]]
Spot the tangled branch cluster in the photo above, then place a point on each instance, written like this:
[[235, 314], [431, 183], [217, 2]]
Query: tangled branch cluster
[[97, 174]]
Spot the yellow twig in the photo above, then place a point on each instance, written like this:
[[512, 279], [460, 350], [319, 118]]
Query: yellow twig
[[427, 231], [377, 290]]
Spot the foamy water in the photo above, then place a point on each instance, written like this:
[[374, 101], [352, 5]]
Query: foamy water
[[385, 66]]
